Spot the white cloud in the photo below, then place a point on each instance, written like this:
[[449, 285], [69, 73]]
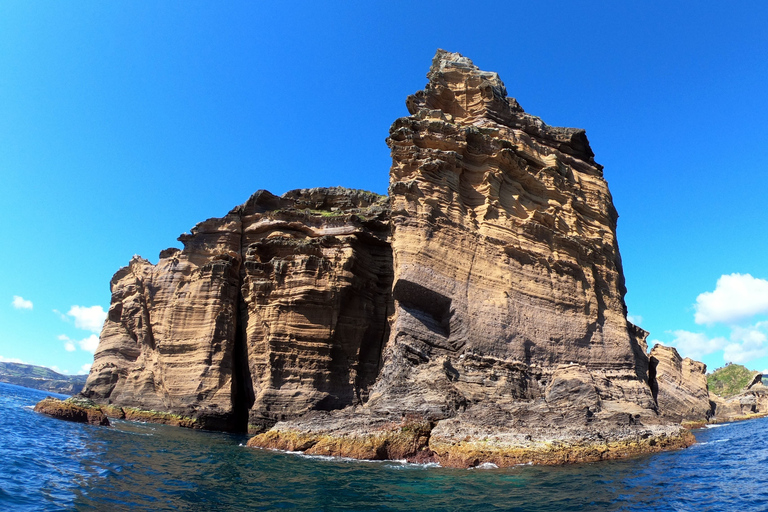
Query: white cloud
[[86, 368], [21, 303], [88, 344], [747, 343], [737, 297], [88, 318], [12, 360], [696, 344], [69, 345], [61, 315], [635, 319]]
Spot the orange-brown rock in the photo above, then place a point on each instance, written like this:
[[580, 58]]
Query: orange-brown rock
[[475, 315], [679, 385], [509, 316], [77, 410], [508, 287], [750, 402], [275, 309]]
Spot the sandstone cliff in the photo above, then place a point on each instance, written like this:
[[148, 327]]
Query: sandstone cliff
[[680, 386], [509, 325], [475, 315], [275, 309]]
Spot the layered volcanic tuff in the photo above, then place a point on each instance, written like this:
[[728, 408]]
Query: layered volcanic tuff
[[509, 335], [475, 315], [277, 308]]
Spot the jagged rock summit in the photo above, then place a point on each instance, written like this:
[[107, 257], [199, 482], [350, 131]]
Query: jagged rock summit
[[475, 315]]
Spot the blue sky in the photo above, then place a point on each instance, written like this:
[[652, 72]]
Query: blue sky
[[123, 124]]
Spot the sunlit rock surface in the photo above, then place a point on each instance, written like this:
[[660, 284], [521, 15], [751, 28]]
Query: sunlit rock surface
[[475, 315], [277, 308], [680, 386]]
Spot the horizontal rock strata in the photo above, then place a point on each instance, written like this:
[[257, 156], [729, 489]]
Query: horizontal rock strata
[[475, 315], [680, 386], [509, 325], [277, 308]]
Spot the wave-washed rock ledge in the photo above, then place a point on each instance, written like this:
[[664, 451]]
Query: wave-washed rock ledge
[[73, 409], [82, 410], [452, 444]]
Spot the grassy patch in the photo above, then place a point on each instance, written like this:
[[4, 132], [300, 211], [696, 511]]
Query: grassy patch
[[729, 380]]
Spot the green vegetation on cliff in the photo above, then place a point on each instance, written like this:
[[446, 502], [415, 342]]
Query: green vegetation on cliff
[[39, 377], [730, 380]]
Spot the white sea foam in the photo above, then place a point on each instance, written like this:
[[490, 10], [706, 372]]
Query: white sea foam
[[393, 464], [486, 465], [704, 443], [716, 425]]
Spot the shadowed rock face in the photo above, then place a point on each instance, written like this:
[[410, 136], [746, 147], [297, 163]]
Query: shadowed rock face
[[679, 385], [477, 314], [277, 308]]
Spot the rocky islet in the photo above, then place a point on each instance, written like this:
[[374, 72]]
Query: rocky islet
[[474, 315]]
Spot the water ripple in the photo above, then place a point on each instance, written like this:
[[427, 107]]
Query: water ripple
[[54, 465]]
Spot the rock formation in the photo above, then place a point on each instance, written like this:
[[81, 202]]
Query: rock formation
[[737, 393], [475, 315], [73, 409], [509, 323], [680, 386], [277, 308]]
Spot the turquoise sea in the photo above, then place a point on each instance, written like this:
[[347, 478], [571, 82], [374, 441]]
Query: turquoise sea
[[48, 464]]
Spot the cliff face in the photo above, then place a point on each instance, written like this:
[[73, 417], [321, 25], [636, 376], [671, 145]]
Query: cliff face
[[680, 386], [263, 315], [508, 279], [477, 314]]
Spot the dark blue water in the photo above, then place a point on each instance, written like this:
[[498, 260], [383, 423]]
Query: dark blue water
[[47, 464]]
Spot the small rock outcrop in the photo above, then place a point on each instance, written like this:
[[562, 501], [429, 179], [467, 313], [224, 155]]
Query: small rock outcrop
[[737, 393], [680, 386], [73, 409], [475, 315]]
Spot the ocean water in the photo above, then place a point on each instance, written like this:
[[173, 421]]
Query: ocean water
[[48, 464]]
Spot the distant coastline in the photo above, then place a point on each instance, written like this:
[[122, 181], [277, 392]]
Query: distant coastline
[[39, 377]]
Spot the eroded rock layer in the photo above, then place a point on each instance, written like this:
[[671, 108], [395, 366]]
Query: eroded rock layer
[[275, 309], [509, 325], [680, 386], [508, 288], [476, 315]]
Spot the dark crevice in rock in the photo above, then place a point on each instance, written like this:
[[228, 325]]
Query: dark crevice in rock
[[652, 364], [242, 385]]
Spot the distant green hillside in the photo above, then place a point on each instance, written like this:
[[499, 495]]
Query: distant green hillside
[[729, 380], [39, 377]]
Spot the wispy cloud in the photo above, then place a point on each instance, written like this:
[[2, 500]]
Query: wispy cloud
[[61, 315], [86, 368], [88, 318], [737, 297], [69, 345], [21, 303], [696, 344], [747, 343], [635, 319], [88, 344], [12, 360]]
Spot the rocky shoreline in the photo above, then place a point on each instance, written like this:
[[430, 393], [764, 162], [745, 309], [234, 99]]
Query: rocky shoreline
[[454, 445]]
